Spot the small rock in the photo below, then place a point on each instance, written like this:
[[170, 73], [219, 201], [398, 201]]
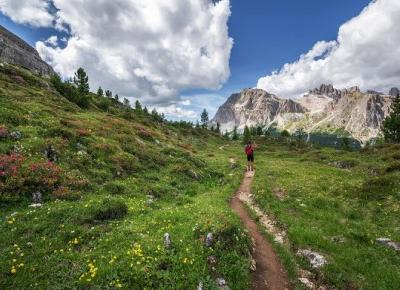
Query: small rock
[[316, 260], [167, 241], [15, 135], [37, 197], [221, 284], [307, 283], [35, 205], [337, 240], [389, 243], [193, 174], [253, 265], [150, 200], [51, 153], [212, 261], [200, 286], [209, 240]]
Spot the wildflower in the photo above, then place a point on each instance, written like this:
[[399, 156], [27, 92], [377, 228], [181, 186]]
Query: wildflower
[[13, 270]]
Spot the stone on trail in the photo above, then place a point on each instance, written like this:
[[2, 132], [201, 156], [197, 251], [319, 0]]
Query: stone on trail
[[316, 260], [253, 265], [307, 283], [389, 243], [167, 241]]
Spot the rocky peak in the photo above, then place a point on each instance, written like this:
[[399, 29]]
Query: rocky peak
[[14, 50], [327, 90], [394, 92]]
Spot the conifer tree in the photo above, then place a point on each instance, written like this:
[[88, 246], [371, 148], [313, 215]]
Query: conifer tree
[[100, 92], [138, 106], [81, 81], [246, 134], [391, 125], [108, 94], [126, 103], [235, 135], [204, 118]]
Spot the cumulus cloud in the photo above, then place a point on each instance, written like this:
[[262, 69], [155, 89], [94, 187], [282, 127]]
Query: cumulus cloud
[[176, 112], [366, 53], [32, 12], [150, 50]]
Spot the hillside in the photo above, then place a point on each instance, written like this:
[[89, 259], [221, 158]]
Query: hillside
[[119, 181]]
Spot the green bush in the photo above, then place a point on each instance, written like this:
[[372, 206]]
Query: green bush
[[110, 209], [115, 187], [394, 166], [376, 188]]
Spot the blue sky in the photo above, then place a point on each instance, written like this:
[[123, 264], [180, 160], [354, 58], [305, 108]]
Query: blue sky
[[267, 34]]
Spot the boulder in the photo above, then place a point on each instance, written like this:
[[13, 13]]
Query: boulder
[[15, 135], [167, 241], [389, 243], [209, 240], [37, 197], [316, 260]]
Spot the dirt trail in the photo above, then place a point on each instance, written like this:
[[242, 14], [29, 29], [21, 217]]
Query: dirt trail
[[269, 273]]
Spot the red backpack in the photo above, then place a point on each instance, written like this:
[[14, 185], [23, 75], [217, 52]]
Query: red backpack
[[248, 150]]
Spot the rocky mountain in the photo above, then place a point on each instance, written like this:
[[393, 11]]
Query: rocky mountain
[[322, 110], [14, 50]]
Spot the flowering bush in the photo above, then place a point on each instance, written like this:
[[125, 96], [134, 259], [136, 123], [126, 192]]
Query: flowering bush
[[11, 176], [44, 176]]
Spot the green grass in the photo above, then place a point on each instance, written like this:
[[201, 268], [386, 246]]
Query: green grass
[[323, 201], [96, 229]]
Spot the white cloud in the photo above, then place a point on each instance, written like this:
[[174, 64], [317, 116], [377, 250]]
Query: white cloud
[[176, 112], [52, 40], [150, 50], [366, 53], [32, 12]]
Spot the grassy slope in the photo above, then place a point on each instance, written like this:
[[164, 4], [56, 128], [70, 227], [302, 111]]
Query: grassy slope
[[323, 202], [60, 246]]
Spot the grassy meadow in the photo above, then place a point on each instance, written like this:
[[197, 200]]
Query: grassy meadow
[[121, 180], [336, 203]]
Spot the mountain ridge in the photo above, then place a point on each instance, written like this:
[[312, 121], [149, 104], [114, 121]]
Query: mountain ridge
[[322, 110]]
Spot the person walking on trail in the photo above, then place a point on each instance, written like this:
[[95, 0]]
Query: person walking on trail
[[249, 150]]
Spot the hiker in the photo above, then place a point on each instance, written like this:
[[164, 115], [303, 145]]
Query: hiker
[[249, 150]]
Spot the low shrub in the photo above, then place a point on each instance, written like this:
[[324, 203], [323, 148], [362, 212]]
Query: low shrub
[[11, 176], [115, 187], [64, 193], [110, 209], [44, 176], [376, 188], [394, 166]]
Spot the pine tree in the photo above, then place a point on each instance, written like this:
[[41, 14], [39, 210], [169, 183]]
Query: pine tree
[[145, 111], [246, 134], [116, 97], [138, 106], [235, 135], [218, 129], [226, 135], [204, 118], [100, 92], [391, 125], [126, 103], [108, 94], [81, 81], [154, 112], [197, 124], [259, 131]]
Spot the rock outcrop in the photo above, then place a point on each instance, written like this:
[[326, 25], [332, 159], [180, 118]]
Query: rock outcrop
[[323, 110], [14, 50], [254, 107]]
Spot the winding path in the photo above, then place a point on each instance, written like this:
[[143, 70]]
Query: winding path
[[269, 273]]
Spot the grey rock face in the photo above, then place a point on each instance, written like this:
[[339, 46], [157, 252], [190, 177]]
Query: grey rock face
[[14, 50], [394, 92], [253, 107], [324, 109]]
